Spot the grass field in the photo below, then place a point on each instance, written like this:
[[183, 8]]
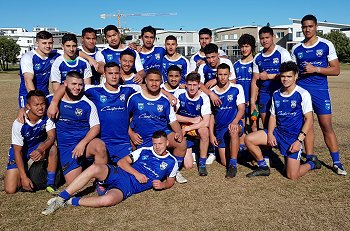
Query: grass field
[[320, 200]]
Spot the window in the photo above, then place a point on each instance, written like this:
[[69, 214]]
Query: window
[[300, 34], [320, 32], [279, 34], [333, 30]]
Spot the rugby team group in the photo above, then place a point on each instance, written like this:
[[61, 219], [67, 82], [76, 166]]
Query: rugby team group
[[132, 117]]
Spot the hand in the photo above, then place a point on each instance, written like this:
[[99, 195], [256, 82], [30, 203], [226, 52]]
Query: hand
[[215, 99], [133, 45], [138, 78], [78, 150], [135, 138], [263, 76], [213, 140], [200, 62], [295, 147], [27, 184], [141, 178], [172, 99], [178, 137], [252, 108], [271, 140], [52, 111], [94, 63], [157, 184], [182, 86], [309, 68], [22, 115], [233, 127], [211, 83], [36, 155]]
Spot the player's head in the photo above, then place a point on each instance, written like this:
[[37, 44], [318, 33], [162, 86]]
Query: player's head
[[127, 60], [223, 74], [44, 42], [69, 45], [174, 76], [112, 35], [36, 102], [246, 44], [160, 142], [112, 73], [211, 52], [170, 44], [205, 36], [266, 37], [148, 35], [193, 83], [309, 26], [153, 80], [74, 84], [88, 38], [288, 73]]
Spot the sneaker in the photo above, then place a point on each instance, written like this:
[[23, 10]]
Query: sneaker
[[52, 189], [267, 160], [231, 172], [259, 172], [211, 158], [180, 178], [202, 170], [339, 169], [55, 204]]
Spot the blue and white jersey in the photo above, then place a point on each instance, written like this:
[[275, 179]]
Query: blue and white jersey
[[129, 80], [188, 107], [96, 77], [196, 57], [171, 91], [29, 135], [289, 111], [152, 165], [271, 64], [181, 62], [61, 67], [75, 120], [153, 58], [244, 74], [227, 111], [40, 67], [149, 115], [110, 54], [319, 55], [112, 111], [208, 73]]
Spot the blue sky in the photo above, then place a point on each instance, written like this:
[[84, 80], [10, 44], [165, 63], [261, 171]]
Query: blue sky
[[191, 15]]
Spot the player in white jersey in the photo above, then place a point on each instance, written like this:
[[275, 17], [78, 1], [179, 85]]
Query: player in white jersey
[[317, 59], [193, 112], [291, 119], [69, 61], [143, 169], [174, 77]]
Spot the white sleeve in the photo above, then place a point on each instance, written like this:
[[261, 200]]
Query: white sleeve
[[272, 107], [306, 104], [255, 66], [17, 137], [206, 108], [285, 56], [201, 72], [61, 52], [172, 116], [136, 87], [332, 53], [240, 96], [193, 64], [50, 125], [136, 154], [27, 63], [93, 119], [174, 170], [188, 70], [176, 95], [138, 63], [87, 71], [55, 75], [232, 70], [292, 55], [222, 53], [99, 57]]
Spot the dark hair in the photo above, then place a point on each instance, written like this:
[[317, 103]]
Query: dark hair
[[43, 35], [289, 66], [110, 27], [174, 68], [148, 29], [223, 66], [32, 93], [247, 39], [153, 71], [193, 76], [309, 17], [127, 52], [88, 30], [266, 29], [110, 64], [211, 48], [170, 37], [159, 134], [74, 74], [69, 37], [205, 31]]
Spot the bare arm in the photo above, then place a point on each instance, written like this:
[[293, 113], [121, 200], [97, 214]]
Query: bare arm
[[332, 70], [52, 111], [28, 81], [80, 148], [25, 181], [271, 139], [168, 183], [202, 124], [213, 97], [38, 153], [125, 164], [254, 91]]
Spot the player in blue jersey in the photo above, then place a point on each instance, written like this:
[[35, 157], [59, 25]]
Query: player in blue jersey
[[317, 59], [69, 61], [265, 73], [35, 67], [127, 61], [174, 78], [291, 119], [145, 168], [112, 52], [174, 58], [205, 37], [226, 122], [193, 111], [32, 141]]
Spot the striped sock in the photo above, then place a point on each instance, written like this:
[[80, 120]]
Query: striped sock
[[50, 178], [262, 163], [65, 195], [202, 161], [233, 162]]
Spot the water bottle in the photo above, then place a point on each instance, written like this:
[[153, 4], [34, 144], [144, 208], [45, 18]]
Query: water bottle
[[255, 114]]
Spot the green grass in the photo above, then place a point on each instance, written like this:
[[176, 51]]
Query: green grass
[[344, 66]]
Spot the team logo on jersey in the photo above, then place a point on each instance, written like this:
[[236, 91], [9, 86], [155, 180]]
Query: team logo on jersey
[[237, 69], [250, 70], [319, 53], [78, 112], [163, 165], [157, 56], [328, 106], [275, 60], [142, 60], [159, 108], [140, 106], [122, 97], [198, 107], [144, 157], [277, 103], [182, 103], [164, 65], [300, 55], [109, 57], [37, 66], [179, 65], [293, 103], [103, 98], [230, 98]]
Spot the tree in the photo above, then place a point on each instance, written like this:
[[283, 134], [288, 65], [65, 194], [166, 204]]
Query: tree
[[9, 50], [341, 43]]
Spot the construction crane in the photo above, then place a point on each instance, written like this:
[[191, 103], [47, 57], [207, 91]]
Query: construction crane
[[119, 15]]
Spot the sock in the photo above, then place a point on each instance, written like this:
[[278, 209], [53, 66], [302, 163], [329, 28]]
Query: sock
[[233, 162], [309, 156], [202, 161], [50, 178], [65, 195], [335, 157], [262, 163], [75, 201], [179, 160], [311, 164]]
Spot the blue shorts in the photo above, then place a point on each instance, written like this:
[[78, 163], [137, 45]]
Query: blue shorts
[[321, 101], [119, 179], [22, 101], [223, 136], [69, 163], [264, 102], [284, 143], [11, 163], [118, 151]]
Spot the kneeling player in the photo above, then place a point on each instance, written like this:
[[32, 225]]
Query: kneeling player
[[141, 170], [226, 122], [290, 120], [32, 142]]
